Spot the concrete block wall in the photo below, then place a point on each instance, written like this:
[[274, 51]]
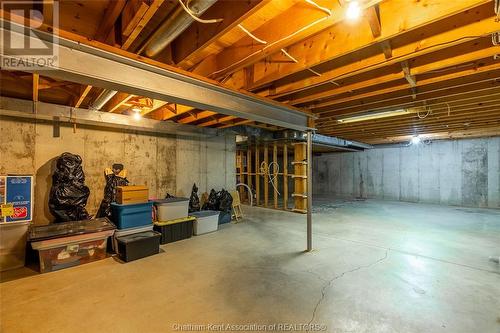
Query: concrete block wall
[[164, 163], [451, 172]]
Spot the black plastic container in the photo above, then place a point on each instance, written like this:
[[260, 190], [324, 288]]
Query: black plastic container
[[137, 246], [174, 231]]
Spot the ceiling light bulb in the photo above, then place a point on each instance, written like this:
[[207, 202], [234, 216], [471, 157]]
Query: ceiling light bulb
[[353, 10], [137, 116], [415, 140]]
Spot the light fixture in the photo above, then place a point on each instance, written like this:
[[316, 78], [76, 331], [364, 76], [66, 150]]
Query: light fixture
[[374, 115], [353, 11], [137, 116], [137, 112], [415, 140]]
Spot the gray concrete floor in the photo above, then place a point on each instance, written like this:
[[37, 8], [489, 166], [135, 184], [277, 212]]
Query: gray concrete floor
[[376, 267]]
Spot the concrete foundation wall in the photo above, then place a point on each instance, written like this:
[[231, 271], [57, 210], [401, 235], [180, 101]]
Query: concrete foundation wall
[[161, 162], [457, 172]]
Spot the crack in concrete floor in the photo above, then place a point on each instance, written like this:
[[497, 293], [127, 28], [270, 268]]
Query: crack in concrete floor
[[330, 282]]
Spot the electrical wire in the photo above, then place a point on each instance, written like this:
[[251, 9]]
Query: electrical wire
[[418, 94], [310, 25], [289, 56], [314, 72], [326, 10], [264, 169], [428, 109], [252, 35], [249, 191], [196, 18], [395, 59]]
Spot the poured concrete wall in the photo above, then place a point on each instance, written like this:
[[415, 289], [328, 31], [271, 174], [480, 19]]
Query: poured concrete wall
[[163, 163], [458, 172]]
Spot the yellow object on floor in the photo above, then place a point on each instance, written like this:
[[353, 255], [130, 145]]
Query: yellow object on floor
[[237, 212]]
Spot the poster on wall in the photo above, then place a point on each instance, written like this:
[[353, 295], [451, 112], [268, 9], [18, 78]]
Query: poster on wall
[[16, 198]]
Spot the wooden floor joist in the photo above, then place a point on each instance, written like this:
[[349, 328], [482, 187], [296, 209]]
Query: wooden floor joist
[[302, 54]]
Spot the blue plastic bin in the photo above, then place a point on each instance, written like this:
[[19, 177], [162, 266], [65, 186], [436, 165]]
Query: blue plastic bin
[[224, 217], [132, 215]]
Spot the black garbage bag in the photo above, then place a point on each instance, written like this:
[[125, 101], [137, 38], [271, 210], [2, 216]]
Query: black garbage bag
[[225, 201], [114, 177], [194, 201], [212, 203], [69, 195]]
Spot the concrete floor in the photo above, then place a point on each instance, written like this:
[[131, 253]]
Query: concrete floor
[[377, 267]]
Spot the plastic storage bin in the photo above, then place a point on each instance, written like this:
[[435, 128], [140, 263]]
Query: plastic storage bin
[[171, 208], [13, 237], [206, 221], [126, 232], [139, 245], [133, 215], [70, 244], [172, 231]]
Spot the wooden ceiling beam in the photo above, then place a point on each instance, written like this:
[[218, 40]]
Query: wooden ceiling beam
[[221, 120], [116, 102], [474, 23], [109, 18], [405, 99], [485, 89], [36, 81], [236, 123], [372, 15], [378, 90], [478, 54], [136, 15], [197, 116], [455, 134], [187, 49], [442, 116], [448, 108], [84, 92], [169, 112], [423, 130], [292, 26]]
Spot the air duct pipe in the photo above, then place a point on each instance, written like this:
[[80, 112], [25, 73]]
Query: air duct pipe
[[102, 99], [173, 26]]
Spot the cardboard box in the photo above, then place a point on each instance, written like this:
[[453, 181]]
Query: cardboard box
[[131, 194]]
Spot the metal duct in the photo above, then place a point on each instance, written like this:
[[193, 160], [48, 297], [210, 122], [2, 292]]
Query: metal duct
[[173, 26], [103, 98], [322, 140]]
